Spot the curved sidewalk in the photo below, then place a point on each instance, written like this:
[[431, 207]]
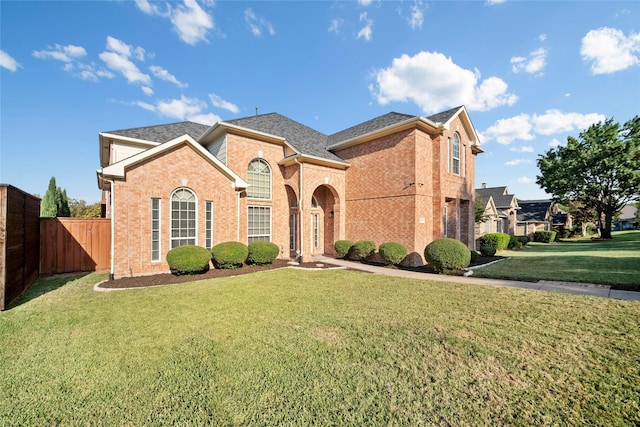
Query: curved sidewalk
[[562, 287]]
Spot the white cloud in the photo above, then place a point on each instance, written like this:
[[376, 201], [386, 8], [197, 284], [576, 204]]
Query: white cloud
[[218, 102], [163, 74], [336, 25], [417, 15], [181, 108], [257, 24], [90, 72], [555, 142], [534, 64], [147, 90], [8, 62], [523, 149], [517, 162], [191, 22], [525, 180], [121, 48], [609, 50], [506, 131], [555, 121], [525, 127], [68, 53], [365, 32], [365, 2], [205, 119], [434, 82], [494, 2]]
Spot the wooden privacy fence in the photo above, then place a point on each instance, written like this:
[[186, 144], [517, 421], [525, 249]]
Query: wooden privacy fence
[[19, 242], [74, 244]]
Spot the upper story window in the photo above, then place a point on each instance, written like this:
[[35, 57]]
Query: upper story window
[[183, 217], [259, 179], [456, 154]]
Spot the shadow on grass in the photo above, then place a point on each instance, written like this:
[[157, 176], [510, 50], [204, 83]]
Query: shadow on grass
[[45, 284]]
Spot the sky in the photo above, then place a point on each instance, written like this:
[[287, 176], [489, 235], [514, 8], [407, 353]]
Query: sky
[[530, 73]]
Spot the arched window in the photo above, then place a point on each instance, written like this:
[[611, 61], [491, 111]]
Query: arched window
[[259, 179], [314, 202], [183, 217], [456, 153]]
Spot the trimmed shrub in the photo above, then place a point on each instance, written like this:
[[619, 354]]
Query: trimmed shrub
[[363, 249], [544, 236], [188, 259], [500, 241], [262, 252], [474, 256], [393, 253], [229, 255], [515, 243], [487, 250], [342, 247], [447, 255]]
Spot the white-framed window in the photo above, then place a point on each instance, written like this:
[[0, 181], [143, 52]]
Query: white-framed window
[[316, 230], [445, 222], [208, 224], [293, 226], [259, 179], [456, 154], [183, 217], [155, 229], [258, 223]]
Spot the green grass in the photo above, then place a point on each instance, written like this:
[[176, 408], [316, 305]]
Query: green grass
[[291, 347], [613, 262]]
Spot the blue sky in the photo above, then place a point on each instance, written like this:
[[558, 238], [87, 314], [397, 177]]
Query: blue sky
[[530, 73]]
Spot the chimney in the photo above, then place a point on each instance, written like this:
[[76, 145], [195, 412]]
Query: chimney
[[483, 185]]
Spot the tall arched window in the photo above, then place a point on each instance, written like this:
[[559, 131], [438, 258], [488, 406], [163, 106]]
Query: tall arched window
[[183, 217], [456, 153], [259, 179]]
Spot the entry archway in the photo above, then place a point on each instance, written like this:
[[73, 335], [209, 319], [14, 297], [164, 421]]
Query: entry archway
[[323, 220]]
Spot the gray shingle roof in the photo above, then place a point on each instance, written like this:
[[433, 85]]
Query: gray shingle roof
[[533, 210], [499, 198], [163, 133], [304, 139], [444, 116], [372, 125]]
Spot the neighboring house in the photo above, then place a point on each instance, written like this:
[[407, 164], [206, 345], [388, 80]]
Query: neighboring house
[[491, 216], [504, 221], [626, 218], [540, 215], [397, 177]]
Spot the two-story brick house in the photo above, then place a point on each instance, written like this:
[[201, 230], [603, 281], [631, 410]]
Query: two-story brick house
[[397, 177]]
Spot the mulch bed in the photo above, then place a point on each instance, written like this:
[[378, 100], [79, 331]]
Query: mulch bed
[[167, 278]]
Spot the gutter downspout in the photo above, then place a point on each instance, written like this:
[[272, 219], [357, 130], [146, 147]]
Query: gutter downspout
[[301, 211], [111, 211]]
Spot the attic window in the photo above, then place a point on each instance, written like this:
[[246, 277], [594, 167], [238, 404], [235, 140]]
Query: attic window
[[456, 153]]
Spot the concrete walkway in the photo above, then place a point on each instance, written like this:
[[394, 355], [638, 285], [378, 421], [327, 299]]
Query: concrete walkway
[[601, 291]]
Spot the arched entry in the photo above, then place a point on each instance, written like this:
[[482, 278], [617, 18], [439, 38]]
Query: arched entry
[[323, 219], [294, 232]]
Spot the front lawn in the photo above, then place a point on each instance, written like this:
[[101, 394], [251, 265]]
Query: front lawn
[[614, 262], [292, 347]]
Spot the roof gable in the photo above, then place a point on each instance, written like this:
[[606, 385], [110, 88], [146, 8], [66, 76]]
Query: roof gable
[[534, 210], [161, 133]]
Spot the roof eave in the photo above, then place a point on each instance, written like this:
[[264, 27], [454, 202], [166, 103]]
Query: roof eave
[[417, 121], [305, 158]]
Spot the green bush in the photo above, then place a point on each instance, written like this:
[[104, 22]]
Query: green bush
[[500, 241], [188, 259], [342, 247], [515, 243], [262, 252], [474, 256], [363, 249], [544, 236], [229, 255], [487, 250], [393, 253], [447, 255]]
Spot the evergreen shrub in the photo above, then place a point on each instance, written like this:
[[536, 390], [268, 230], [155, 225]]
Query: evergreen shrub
[[363, 249], [342, 247], [474, 256], [229, 255], [500, 241], [262, 252], [487, 250], [392, 252], [447, 255], [188, 259], [544, 236]]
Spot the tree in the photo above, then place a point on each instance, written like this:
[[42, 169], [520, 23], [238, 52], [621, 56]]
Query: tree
[[80, 209], [54, 203], [600, 169]]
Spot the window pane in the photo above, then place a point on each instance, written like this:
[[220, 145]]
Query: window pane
[[183, 218], [259, 179]]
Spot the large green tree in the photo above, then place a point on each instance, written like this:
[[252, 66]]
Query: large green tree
[[55, 202], [600, 169]]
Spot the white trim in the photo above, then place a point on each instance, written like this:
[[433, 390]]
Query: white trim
[[159, 229], [171, 238], [117, 170], [209, 217], [270, 222], [270, 180]]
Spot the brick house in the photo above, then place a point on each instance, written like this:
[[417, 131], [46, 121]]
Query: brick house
[[397, 177], [501, 210]]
